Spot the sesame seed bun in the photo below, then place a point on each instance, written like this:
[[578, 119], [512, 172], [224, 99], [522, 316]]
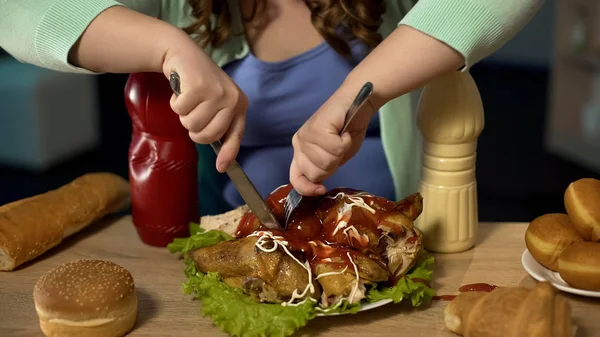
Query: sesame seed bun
[[86, 298]]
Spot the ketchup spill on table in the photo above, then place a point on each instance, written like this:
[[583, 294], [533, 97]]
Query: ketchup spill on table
[[477, 287], [467, 288], [321, 230], [444, 298]]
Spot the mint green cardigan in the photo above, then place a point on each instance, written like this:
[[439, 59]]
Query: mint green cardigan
[[42, 32]]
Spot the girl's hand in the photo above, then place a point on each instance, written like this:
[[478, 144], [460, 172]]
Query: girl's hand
[[211, 106], [319, 150], [406, 60]]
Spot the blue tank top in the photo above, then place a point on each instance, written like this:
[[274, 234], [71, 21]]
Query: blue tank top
[[281, 97]]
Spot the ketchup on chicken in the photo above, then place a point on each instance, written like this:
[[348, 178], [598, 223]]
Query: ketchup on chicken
[[331, 228]]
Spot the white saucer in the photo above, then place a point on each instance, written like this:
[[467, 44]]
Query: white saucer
[[364, 307], [541, 273]]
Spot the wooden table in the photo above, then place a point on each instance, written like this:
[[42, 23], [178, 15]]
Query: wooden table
[[165, 311]]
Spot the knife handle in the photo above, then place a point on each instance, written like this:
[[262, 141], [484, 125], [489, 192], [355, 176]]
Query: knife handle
[[175, 83], [216, 146]]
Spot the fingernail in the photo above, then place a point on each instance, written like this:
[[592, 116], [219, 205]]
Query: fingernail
[[320, 190]]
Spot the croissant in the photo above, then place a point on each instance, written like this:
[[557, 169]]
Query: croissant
[[510, 312]]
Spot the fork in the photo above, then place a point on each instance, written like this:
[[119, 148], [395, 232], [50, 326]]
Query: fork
[[293, 198]]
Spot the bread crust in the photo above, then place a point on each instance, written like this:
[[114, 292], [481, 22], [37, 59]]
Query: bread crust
[[118, 327], [547, 236], [510, 312], [32, 226], [579, 265], [457, 311], [582, 202], [227, 222]]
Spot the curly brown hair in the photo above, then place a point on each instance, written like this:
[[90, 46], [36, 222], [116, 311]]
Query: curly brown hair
[[338, 21]]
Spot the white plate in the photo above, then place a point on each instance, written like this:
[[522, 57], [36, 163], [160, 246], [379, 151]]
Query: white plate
[[541, 273], [364, 307]]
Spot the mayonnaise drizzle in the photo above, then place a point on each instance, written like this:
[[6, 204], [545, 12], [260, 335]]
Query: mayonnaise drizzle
[[340, 225], [355, 201], [309, 287], [333, 307], [355, 234], [264, 237], [352, 293], [332, 273], [298, 303], [355, 288], [278, 241]]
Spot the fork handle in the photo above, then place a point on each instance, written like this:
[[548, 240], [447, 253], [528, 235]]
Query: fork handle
[[358, 102]]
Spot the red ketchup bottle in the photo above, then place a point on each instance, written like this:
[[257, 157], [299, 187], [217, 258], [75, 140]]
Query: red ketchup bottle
[[162, 163]]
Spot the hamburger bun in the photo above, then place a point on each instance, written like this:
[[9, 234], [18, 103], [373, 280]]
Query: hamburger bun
[[547, 236], [582, 201], [579, 265], [92, 298]]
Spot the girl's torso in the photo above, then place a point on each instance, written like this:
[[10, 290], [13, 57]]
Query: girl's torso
[[283, 95], [288, 74]]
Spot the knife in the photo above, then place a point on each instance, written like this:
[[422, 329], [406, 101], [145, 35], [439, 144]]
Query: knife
[[239, 178]]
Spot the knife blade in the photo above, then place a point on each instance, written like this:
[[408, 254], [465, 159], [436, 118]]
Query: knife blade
[[248, 191], [240, 180]]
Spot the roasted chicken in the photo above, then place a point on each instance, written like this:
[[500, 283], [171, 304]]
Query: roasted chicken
[[334, 247], [266, 276]]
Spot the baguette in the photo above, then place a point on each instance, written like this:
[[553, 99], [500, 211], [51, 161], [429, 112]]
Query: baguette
[[31, 226]]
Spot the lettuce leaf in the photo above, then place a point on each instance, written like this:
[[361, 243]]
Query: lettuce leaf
[[413, 286], [195, 228], [240, 316], [342, 308], [232, 310], [198, 240]]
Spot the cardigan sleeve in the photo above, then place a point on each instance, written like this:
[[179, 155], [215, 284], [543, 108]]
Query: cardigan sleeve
[[474, 28], [42, 32]]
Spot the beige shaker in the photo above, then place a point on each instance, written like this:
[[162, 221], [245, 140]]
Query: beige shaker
[[450, 117]]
